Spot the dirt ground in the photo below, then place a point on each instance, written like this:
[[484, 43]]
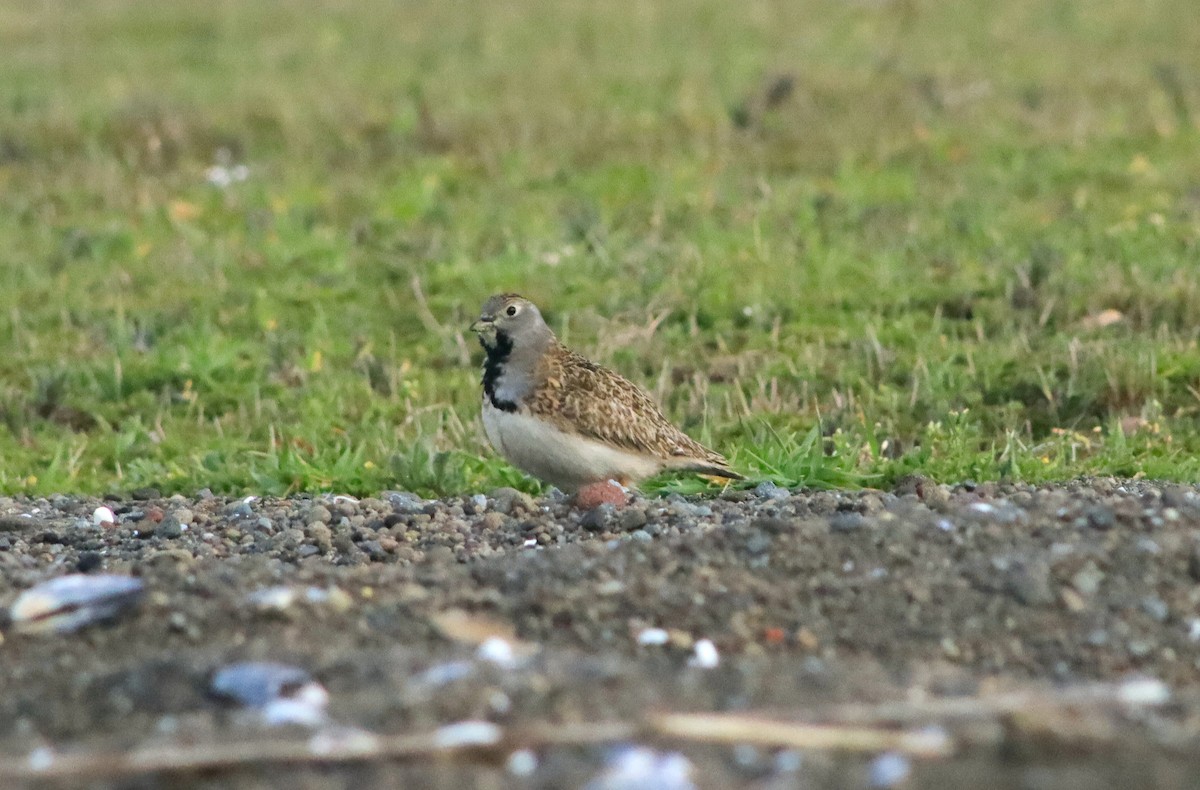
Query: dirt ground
[[1008, 622]]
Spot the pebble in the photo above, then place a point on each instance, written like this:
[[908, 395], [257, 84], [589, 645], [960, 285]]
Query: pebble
[[846, 522], [768, 490], [467, 733], [1156, 607], [598, 518], [492, 520], [682, 508], [497, 650], [272, 599], [1144, 691], [632, 518], [318, 514], [653, 636], [169, 527], [642, 768], [404, 502], [704, 655], [1101, 517], [1029, 582], [509, 501], [522, 762], [788, 761], [103, 517], [239, 510], [320, 535], [374, 549], [1087, 580], [889, 769], [1180, 497], [89, 561]]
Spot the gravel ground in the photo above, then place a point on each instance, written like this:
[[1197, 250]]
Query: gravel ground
[[819, 606]]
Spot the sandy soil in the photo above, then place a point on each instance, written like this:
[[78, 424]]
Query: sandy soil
[[1008, 623]]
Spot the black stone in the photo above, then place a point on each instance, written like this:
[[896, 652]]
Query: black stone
[[89, 561]]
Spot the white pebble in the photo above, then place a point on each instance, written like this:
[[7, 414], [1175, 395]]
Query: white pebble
[[467, 733], [449, 672], [272, 599], [704, 655], [287, 710], [890, 769], [479, 501], [1144, 691], [103, 515], [746, 755], [499, 702], [342, 741], [529, 543], [932, 738], [639, 767], [522, 762], [498, 651], [41, 758], [788, 761], [653, 636]]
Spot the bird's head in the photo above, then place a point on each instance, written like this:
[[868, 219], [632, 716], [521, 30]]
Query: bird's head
[[513, 319]]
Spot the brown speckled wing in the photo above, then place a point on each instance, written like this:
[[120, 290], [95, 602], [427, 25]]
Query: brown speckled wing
[[582, 397]]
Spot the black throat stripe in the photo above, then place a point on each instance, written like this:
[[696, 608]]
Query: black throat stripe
[[493, 366]]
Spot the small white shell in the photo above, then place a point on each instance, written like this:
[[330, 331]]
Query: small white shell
[[255, 684], [704, 655], [467, 733], [67, 603], [498, 651], [653, 636], [639, 766]]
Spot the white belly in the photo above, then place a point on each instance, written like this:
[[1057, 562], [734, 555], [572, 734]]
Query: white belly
[[562, 459]]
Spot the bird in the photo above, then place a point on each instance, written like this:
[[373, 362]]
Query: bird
[[568, 421]]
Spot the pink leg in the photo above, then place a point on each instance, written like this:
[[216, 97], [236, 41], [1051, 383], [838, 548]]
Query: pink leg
[[595, 494]]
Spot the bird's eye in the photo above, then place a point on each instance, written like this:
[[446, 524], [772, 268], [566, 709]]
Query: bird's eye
[[512, 310]]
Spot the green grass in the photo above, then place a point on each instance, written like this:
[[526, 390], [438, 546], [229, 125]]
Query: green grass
[[893, 266]]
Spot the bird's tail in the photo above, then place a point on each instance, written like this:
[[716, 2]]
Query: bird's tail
[[711, 471]]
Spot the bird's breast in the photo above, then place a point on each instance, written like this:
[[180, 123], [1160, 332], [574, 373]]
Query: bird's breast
[[562, 458]]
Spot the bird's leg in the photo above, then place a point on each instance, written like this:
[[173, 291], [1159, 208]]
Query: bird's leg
[[593, 495]]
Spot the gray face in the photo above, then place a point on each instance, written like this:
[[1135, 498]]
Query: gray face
[[512, 318]]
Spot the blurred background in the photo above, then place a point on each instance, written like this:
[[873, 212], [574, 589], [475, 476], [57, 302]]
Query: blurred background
[[842, 240]]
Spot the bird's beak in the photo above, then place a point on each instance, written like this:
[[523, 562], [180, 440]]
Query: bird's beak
[[484, 324]]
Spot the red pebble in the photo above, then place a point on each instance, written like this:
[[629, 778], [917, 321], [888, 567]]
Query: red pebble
[[774, 635], [596, 494], [154, 514]]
